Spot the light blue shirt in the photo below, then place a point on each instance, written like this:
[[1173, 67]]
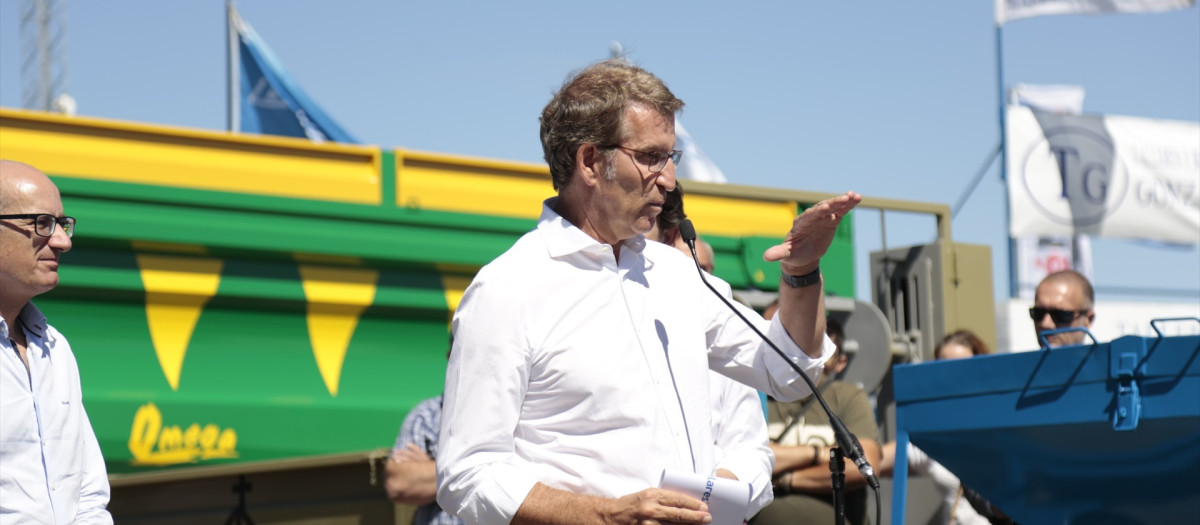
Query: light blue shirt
[[51, 468]]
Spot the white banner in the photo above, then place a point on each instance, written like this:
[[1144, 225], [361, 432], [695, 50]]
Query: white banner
[[1108, 176], [694, 165], [1009, 10]]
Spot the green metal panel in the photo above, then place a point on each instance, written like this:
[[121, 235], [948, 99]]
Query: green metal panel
[[837, 266], [249, 371], [249, 366]]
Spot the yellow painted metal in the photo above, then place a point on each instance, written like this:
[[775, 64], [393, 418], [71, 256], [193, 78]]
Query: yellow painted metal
[[177, 288], [514, 189], [471, 185], [145, 154], [735, 217], [337, 298], [453, 286]]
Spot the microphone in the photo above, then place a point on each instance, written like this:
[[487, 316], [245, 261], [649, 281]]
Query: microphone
[[845, 440]]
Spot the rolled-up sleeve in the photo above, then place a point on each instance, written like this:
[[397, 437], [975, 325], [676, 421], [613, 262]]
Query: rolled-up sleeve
[[736, 351], [486, 381]]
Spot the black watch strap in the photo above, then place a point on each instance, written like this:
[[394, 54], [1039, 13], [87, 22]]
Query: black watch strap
[[800, 281]]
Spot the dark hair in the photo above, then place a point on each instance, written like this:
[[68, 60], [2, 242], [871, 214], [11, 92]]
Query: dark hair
[[672, 210], [833, 328], [590, 108], [965, 338]]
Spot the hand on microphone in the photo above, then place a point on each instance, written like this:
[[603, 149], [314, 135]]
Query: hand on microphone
[[811, 234]]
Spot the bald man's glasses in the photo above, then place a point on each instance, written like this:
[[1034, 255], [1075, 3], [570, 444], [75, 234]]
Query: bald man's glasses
[[1060, 317], [44, 223]]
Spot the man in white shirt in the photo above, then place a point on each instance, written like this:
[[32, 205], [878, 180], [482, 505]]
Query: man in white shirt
[[51, 469], [579, 371]]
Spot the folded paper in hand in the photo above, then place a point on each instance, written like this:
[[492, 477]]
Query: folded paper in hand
[[728, 500]]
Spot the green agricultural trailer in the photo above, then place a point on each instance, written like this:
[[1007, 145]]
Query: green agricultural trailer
[[253, 316]]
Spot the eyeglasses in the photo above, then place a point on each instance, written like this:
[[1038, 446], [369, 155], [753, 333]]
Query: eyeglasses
[[654, 160], [1060, 317], [44, 223]]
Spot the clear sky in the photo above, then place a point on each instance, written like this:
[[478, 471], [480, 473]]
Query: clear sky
[[891, 99]]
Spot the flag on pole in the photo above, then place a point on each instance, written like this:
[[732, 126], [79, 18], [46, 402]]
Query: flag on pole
[[694, 165], [1058, 99], [269, 101], [1009, 10]]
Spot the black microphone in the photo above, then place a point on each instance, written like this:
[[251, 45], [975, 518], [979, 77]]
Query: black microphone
[[846, 440]]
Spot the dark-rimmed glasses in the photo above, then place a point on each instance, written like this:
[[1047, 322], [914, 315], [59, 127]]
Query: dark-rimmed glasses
[[1060, 317], [656, 161], [44, 223]]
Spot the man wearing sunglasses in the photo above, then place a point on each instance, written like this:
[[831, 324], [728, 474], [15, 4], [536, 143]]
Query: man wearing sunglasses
[[581, 355], [51, 469], [1063, 299]]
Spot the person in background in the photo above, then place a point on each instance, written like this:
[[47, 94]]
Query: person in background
[[581, 355], [51, 468], [411, 469], [739, 429], [957, 507], [801, 439], [1063, 299]]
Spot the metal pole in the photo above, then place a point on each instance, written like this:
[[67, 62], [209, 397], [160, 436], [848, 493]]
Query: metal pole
[[962, 199], [232, 103], [1001, 96]]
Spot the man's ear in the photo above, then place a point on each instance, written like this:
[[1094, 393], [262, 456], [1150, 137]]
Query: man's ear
[[1091, 317], [589, 164]]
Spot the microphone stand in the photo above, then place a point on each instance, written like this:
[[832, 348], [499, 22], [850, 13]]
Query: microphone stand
[[846, 441], [837, 470]]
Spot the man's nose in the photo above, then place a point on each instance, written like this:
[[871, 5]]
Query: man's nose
[[60, 241], [666, 177]]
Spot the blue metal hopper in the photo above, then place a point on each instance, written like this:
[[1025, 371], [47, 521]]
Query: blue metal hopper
[[1092, 434]]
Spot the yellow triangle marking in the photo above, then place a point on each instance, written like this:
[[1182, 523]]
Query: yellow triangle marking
[[453, 286], [337, 298], [177, 288]]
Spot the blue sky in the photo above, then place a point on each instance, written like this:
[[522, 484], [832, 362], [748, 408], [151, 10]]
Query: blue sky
[[891, 99]]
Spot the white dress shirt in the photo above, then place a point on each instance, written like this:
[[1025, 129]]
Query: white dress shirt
[[740, 433], [51, 469], [740, 429], [589, 374]]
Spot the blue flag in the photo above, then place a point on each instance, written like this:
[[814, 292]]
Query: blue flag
[[270, 102]]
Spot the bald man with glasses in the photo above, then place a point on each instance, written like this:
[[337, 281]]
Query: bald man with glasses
[[51, 468], [1063, 299]]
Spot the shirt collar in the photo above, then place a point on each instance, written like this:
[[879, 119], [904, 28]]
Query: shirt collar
[[563, 238], [31, 318]]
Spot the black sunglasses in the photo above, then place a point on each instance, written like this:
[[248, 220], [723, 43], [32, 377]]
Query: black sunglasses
[[1060, 317]]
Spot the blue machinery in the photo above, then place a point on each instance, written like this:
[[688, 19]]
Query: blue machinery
[[1104, 433]]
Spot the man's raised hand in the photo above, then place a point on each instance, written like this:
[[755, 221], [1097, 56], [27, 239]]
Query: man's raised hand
[[811, 234]]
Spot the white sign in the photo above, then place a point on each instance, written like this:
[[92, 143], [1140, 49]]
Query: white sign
[[1038, 257], [1009, 10], [1106, 176]]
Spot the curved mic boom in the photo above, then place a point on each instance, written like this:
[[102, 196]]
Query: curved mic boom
[[846, 440]]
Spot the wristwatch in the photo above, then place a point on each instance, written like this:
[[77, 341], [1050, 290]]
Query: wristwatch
[[800, 281]]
